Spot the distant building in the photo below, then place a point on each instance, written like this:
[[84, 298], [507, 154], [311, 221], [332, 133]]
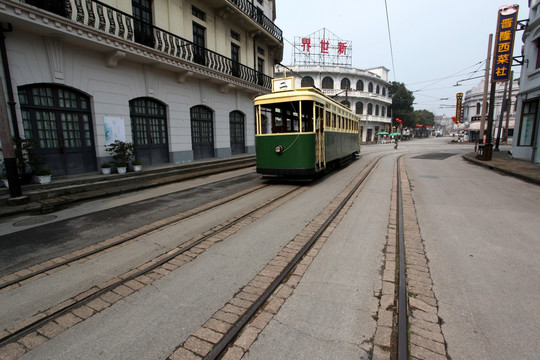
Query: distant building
[[364, 91], [176, 78], [527, 136], [472, 109]]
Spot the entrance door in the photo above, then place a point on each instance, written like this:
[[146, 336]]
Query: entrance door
[[235, 57], [236, 126], [202, 132], [199, 44], [149, 129], [59, 122], [142, 14]]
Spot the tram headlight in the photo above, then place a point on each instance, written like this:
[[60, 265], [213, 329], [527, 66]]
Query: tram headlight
[[278, 149]]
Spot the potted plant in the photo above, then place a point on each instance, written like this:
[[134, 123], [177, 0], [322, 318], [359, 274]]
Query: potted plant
[[121, 152], [42, 176], [106, 168], [137, 165]]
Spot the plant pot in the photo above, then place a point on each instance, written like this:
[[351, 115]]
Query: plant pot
[[121, 169], [42, 179], [106, 171], [137, 168]]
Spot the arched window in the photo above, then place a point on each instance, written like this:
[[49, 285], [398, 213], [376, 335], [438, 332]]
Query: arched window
[[345, 84], [360, 85], [378, 90], [383, 111], [202, 132], [370, 87], [370, 109], [59, 120], [376, 110], [149, 129], [307, 81], [478, 108], [236, 130], [359, 107], [327, 83], [384, 91]]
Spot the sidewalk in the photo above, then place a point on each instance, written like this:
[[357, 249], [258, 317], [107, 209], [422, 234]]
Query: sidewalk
[[67, 190], [501, 162]]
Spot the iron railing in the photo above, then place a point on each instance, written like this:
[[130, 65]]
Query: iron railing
[[256, 14], [95, 14]]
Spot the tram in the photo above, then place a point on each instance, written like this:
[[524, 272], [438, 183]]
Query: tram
[[302, 132]]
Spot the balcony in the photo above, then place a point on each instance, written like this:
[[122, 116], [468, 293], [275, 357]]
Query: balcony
[[255, 14], [129, 34]]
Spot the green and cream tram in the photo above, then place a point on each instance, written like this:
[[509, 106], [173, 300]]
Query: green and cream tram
[[302, 132]]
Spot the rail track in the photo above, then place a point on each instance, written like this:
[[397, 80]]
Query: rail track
[[156, 267]]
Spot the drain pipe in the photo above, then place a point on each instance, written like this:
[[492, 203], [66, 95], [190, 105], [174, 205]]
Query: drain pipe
[[10, 160]]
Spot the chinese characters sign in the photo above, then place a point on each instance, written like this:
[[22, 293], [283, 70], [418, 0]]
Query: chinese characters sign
[[504, 43], [459, 99], [322, 48]]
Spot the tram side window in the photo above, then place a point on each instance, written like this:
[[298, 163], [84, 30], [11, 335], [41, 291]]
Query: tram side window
[[307, 116]]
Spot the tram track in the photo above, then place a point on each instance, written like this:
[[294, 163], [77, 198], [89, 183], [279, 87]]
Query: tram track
[[299, 253], [92, 300]]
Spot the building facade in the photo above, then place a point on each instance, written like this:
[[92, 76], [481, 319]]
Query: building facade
[[364, 91], [472, 110], [176, 78], [527, 133]]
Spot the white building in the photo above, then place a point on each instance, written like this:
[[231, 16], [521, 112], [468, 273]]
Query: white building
[[177, 78], [527, 134], [472, 109], [364, 91]]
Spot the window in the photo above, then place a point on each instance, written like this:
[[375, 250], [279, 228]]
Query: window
[[370, 87], [260, 69], [378, 90], [370, 109], [359, 107], [537, 43], [528, 123], [327, 83], [260, 51], [235, 35], [345, 84], [199, 44], [307, 81], [360, 85], [198, 13], [478, 107], [376, 110], [235, 57]]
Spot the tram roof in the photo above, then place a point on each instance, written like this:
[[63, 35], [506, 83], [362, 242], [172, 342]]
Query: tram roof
[[300, 93]]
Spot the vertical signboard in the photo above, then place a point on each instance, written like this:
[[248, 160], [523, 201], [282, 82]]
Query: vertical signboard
[[504, 42], [459, 99]]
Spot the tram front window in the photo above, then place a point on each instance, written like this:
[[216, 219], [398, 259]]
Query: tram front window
[[285, 117]]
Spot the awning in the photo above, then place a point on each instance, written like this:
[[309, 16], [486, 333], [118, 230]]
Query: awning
[[475, 125]]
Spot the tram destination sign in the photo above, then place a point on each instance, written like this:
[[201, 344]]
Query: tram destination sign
[[504, 42]]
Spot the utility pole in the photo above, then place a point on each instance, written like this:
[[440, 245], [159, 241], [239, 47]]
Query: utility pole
[[508, 109], [486, 81], [499, 127]]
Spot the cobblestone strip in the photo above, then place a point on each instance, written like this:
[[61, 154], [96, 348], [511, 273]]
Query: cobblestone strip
[[426, 340], [54, 328], [201, 342], [120, 239]]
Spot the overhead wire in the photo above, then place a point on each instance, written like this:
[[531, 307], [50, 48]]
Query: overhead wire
[[390, 39]]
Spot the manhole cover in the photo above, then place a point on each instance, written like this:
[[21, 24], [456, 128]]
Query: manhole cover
[[433, 156], [35, 220]]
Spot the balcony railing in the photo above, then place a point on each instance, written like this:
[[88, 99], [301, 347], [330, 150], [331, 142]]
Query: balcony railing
[[256, 14], [114, 22]]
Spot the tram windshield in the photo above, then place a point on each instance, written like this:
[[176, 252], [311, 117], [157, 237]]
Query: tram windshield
[[286, 117]]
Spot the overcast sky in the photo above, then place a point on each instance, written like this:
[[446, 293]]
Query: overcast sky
[[435, 43]]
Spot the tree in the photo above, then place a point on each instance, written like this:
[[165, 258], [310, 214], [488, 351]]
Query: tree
[[402, 101], [424, 117]]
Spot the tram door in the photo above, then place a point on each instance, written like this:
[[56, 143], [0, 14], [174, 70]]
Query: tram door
[[319, 136]]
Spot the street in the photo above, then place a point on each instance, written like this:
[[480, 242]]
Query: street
[[478, 227]]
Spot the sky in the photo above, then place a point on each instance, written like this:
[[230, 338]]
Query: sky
[[434, 43]]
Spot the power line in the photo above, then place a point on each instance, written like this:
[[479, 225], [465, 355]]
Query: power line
[[390, 39]]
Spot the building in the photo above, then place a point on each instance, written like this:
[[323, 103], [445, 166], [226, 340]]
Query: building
[[176, 78], [472, 110], [365, 91], [527, 136]]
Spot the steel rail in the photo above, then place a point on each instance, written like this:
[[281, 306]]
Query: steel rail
[[233, 332], [121, 241], [37, 324], [403, 336]]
